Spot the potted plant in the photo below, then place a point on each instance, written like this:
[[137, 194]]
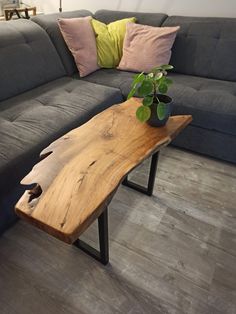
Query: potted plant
[[153, 87]]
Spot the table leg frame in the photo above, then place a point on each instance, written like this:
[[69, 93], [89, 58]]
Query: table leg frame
[[103, 255], [151, 180]]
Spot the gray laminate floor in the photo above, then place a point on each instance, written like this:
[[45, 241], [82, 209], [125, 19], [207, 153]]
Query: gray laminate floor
[[172, 253]]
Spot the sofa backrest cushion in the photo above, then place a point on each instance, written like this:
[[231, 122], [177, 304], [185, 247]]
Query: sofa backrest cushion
[[27, 58], [152, 19], [204, 46], [49, 22]]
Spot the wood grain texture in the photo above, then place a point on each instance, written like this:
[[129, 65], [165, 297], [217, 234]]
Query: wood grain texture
[[173, 253], [81, 171]]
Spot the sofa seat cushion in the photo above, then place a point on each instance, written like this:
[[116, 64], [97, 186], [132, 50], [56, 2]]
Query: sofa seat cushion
[[212, 103], [113, 78], [33, 120]]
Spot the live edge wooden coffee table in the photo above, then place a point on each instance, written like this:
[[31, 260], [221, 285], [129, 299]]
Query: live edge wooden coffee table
[[80, 172]]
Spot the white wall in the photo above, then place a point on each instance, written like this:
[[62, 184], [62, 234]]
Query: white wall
[[172, 7]]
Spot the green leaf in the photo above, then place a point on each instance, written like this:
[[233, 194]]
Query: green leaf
[[162, 80], [167, 67], [158, 76], [163, 88], [161, 110], [143, 113], [131, 93], [156, 69], [148, 100], [150, 75], [145, 88], [138, 78], [168, 81]]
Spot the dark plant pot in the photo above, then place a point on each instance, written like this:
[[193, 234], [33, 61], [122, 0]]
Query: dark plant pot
[[154, 120]]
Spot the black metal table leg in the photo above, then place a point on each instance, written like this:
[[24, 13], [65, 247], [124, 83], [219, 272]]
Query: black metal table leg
[[151, 180], [102, 255], [103, 237]]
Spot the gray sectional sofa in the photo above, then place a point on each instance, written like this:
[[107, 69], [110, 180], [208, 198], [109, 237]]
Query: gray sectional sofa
[[42, 95]]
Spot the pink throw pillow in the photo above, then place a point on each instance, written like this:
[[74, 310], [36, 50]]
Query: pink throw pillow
[[146, 47], [80, 38]]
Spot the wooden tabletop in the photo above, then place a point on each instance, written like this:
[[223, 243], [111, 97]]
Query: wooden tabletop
[[81, 170]]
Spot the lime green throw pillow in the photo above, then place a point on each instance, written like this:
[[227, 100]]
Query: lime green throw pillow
[[109, 39]]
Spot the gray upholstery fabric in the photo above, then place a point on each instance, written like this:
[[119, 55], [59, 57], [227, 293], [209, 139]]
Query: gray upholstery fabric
[[27, 58], [207, 142], [152, 19], [211, 102], [112, 78], [204, 46], [49, 23], [31, 121]]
